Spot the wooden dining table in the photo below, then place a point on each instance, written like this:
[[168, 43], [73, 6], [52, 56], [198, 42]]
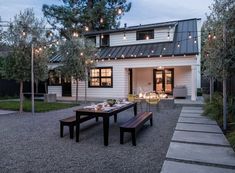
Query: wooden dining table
[[105, 114]]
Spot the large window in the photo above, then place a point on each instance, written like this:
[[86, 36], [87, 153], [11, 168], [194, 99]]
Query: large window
[[101, 77], [104, 40], [145, 35]]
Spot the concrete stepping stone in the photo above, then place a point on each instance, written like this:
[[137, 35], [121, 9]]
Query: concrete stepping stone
[[190, 115], [202, 120], [198, 127], [180, 167], [202, 153], [191, 108], [199, 137], [192, 111]]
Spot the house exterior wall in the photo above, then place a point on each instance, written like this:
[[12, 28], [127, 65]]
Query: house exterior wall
[[120, 75], [55, 90], [160, 35]]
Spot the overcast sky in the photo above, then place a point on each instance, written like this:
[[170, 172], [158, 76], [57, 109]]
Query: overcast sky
[[142, 11]]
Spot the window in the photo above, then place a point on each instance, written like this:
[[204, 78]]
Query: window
[[145, 35], [104, 40], [101, 77], [54, 78]]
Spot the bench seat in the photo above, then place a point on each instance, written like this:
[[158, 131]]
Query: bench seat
[[71, 122], [134, 124]]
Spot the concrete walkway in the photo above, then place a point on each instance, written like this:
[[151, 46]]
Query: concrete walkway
[[198, 146], [5, 112]]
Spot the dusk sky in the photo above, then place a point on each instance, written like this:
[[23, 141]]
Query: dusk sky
[[142, 11]]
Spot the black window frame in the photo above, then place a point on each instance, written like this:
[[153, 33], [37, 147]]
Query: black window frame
[[100, 77], [105, 36], [149, 32]]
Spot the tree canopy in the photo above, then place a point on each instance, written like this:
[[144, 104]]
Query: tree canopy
[[83, 15], [218, 40]]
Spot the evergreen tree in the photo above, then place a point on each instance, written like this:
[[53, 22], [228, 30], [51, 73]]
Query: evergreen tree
[[83, 15]]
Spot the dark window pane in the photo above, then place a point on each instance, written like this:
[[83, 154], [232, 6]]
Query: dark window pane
[[145, 35]]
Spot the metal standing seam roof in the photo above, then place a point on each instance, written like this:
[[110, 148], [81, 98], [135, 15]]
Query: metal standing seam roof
[[187, 46]]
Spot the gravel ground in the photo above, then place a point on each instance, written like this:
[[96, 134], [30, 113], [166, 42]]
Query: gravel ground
[[33, 144]]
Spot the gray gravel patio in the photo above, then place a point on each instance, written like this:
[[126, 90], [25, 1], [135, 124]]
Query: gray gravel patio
[[32, 144]]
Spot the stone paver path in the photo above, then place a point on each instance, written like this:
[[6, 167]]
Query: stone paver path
[[198, 146]]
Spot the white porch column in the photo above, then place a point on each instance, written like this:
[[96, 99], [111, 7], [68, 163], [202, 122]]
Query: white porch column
[[194, 82]]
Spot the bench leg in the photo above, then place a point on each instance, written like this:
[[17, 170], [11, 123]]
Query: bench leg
[[133, 135], [151, 121], [96, 119], [121, 136], [115, 118], [61, 130], [71, 130]]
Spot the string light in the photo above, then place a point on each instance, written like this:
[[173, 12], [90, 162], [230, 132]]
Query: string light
[[81, 53], [152, 51], [86, 28], [195, 40], [57, 42], [124, 36], [102, 36], [178, 44], [102, 60], [147, 37], [214, 37], [101, 20], [44, 47], [164, 48], [209, 35], [160, 55], [189, 35], [40, 49], [148, 56], [75, 34], [168, 35], [119, 11]]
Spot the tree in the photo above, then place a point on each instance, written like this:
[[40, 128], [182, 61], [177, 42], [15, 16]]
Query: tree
[[219, 45], [25, 30], [79, 15], [78, 57]]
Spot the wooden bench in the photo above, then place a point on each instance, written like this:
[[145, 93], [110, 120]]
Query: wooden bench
[[134, 124], [71, 122]]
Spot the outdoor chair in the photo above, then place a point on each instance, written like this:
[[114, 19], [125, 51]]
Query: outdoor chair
[[152, 101]]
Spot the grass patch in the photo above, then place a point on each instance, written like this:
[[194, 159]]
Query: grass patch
[[40, 106]]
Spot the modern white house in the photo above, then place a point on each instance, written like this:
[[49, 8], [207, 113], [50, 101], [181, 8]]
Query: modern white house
[[153, 57]]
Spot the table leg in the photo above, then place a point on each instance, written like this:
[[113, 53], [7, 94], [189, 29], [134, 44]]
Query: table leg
[[135, 109], [106, 130], [77, 127]]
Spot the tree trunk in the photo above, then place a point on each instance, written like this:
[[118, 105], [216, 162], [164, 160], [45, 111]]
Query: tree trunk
[[45, 87], [85, 90], [224, 104], [21, 96], [76, 90], [211, 88]]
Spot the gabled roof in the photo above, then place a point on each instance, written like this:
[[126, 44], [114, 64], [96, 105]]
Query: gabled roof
[[187, 46], [183, 27]]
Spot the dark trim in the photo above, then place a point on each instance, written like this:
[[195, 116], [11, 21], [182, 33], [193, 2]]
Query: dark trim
[[145, 31], [131, 81], [89, 82], [163, 78]]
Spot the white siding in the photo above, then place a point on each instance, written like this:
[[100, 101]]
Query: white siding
[[120, 75], [55, 90], [183, 76], [160, 35]]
